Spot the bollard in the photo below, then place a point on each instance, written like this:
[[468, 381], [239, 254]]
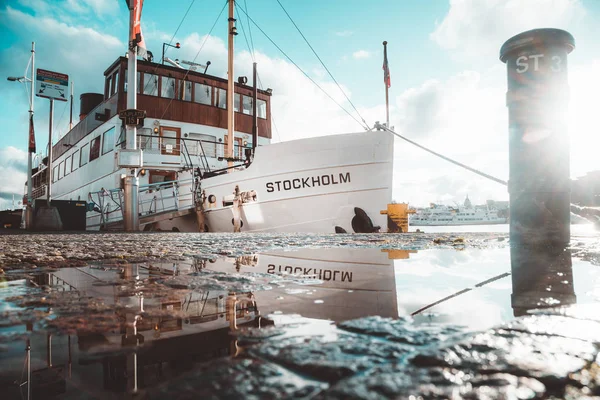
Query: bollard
[[537, 101]]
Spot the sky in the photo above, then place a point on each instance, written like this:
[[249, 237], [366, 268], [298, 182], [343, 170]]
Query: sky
[[447, 90]]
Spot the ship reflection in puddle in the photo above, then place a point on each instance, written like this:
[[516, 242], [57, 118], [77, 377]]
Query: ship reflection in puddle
[[124, 328]]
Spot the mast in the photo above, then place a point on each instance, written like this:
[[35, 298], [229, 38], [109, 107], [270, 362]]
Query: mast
[[386, 81], [254, 110], [230, 87], [29, 208]]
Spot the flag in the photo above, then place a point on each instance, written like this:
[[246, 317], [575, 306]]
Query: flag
[[386, 69], [31, 135], [137, 39]]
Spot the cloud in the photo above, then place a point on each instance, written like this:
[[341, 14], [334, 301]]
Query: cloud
[[13, 172], [360, 54], [477, 28], [344, 33], [81, 52]]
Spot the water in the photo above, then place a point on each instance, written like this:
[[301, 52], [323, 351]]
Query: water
[[202, 316]]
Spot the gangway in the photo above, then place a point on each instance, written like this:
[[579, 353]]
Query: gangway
[[156, 202]]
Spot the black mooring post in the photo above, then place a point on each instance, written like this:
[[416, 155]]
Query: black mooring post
[[539, 184], [537, 101]]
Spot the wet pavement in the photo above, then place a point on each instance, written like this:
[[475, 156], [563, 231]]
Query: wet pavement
[[298, 316]]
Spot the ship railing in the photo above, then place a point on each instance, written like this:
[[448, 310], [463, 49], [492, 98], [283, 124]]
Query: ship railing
[[158, 197], [108, 204]]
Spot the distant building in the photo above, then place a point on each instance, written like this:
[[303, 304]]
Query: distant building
[[585, 190]]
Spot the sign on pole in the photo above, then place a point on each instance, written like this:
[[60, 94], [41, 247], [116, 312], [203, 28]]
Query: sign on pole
[[52, 85], [132, 116]]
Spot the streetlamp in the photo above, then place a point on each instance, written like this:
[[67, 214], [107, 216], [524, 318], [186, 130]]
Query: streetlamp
[[31, 143], [177, 46]]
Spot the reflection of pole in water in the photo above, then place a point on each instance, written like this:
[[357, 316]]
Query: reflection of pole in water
[[541, 278], [537, 101]]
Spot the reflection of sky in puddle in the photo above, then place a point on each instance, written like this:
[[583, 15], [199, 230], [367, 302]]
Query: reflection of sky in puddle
[[186, 309]]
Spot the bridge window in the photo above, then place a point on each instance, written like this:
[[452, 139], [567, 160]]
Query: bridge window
[[108, 141], [115, 83], [203, 94], [236, 102], [95, 148], [168, 87], [54, 174], [61, 169], [107, 87], [261, 108], [247, 105], [221, 100], [185, 91], [85, 154], [150, 84]]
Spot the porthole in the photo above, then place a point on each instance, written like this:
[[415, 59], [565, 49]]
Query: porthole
[[212, 199]]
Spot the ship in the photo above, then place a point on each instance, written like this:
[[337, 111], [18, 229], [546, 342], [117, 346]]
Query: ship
[[196, 172], [467, 214]]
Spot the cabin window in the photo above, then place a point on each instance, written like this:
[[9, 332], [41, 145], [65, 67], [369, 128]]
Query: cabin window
[[75, 160], [150, 84], [185, 91], [167, 87], [108, 140], [203, 94], [261, 108], [121, 139], [54, 174], [221, 100], [247, 105], [95, 148], [107, 87], [236, 102], [61, 170], [68, 166], [201, 142], [161, 176], [115, 83]]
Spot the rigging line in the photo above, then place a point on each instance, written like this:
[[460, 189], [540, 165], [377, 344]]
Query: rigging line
[[478, 285], [197, 54], [443, 157], [305, 74], [61, 116], [170, 41], [246, 38], [180, 23], [249, 28], [322, 63]]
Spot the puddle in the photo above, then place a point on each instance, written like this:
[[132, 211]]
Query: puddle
[[303, 323]]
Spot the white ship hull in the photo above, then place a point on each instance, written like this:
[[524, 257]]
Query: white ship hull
[[308, 185]]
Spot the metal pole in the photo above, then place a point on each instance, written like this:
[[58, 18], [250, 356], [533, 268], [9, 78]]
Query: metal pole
[[49, 350], [254, 109], [131, 184], [49, 169], [28, 350], [230, 87], [29, 208], [71, 116]]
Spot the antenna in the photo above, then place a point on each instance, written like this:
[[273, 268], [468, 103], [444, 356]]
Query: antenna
[[193, 65], [173, 63]]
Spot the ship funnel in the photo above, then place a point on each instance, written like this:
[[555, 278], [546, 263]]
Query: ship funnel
[[87, 102]]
